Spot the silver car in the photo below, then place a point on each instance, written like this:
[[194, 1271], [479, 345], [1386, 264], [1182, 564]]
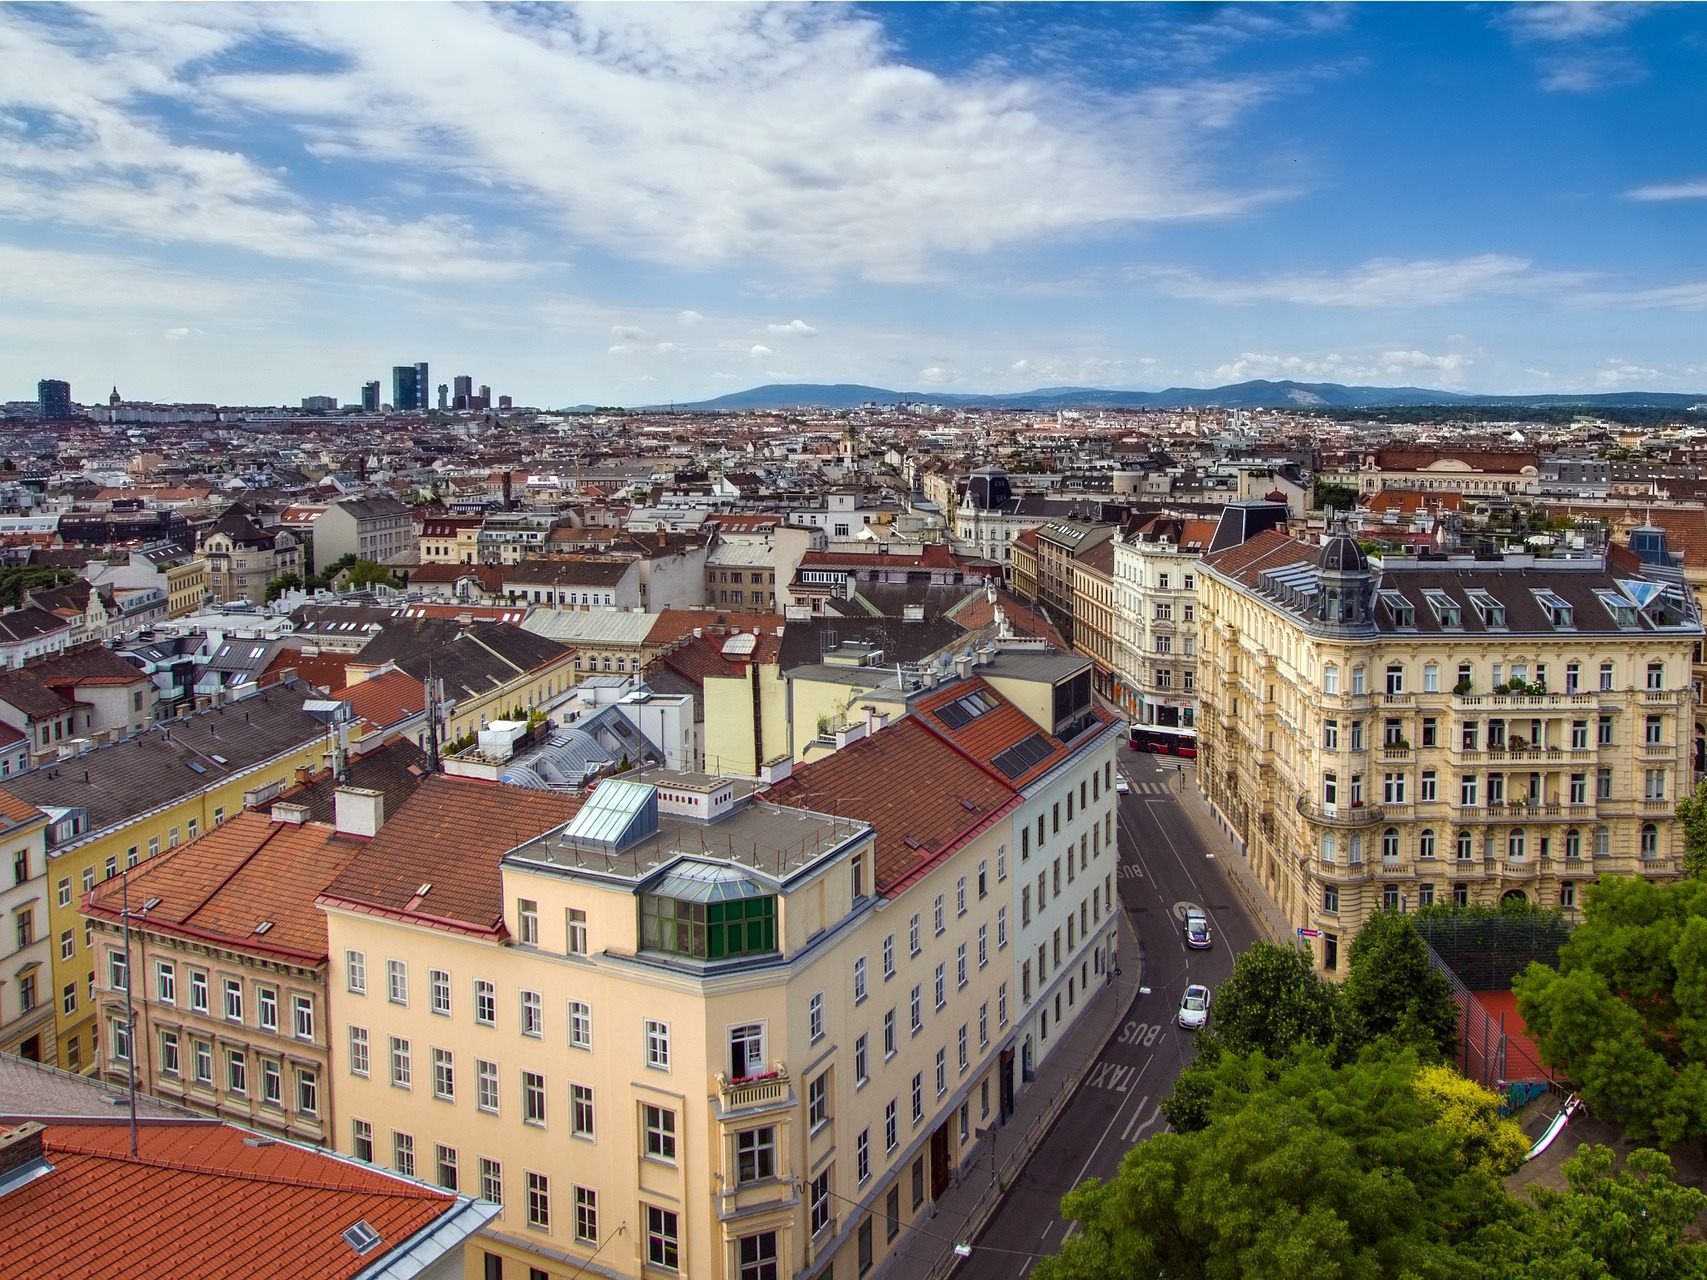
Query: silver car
[[1197, 935], [1194, 1007]]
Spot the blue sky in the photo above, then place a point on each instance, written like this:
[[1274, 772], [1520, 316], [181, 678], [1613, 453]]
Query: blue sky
[[638, 203]]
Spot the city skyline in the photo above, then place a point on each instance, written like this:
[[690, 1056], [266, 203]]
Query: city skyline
[[637, 204]]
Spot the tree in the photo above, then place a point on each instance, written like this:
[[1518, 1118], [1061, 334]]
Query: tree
[[1391, 989], [1270, 1004], [367, 573], [1692, 813], [1341, 497], [283, 583], [1471, 1115], [1318, 1171], [1624, 1016], [17, 579]]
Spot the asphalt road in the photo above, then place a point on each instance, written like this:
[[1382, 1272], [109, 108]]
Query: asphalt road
[[1163, 870]]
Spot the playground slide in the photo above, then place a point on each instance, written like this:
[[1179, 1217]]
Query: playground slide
[[1555, 1127]]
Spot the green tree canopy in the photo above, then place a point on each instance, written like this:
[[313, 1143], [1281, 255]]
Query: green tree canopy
[[1341, 497], [281, 584], [1392, 990], [1624, 1017], [19, 578], [367, 573], [1692, 812], [1314, 1171]]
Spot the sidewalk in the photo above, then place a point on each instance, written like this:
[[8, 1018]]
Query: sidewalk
[[973, 1198], [1217, 838]]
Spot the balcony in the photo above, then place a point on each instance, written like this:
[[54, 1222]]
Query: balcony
[[755, 1093], [1343, 872], [1356, 815], [1659, 866], [1393, 753], [1518, 868], [1485, 702], [1659, 806], [1660, 697], [1398, 699], [1523, 755]]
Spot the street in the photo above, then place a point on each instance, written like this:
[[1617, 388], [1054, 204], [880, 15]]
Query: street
[[1163, 871]]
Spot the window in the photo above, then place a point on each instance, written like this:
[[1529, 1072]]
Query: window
[[396, 982], [586, 1215], [581, 1110], [169, 1052], [1467, 790], [888, 1035], [444, 1075], [575, 930], [485, 1003], [819, 1198], [527, 922], [1390, 843], [862, 1156], [888, 956], [403, 1154], [1656, 676], [307, 1093], [658, 1045], [755, 1155], [1426, 785], [661, 1238], [358, 1051], [1330, 735], [486, 1086], [533, 1098], [118, 971], [860, 1062], [659, 1124], [204, 1062], [301, 1013], [918, 1096], [539, 1201], [1431, 678], [937, 916], [1604, 731], [983, 945], [758, 1257], [960, 966], [1606, 677], [401, 1071], [915, 1009], [533, 1015], [984, 880], [960, 897], [165, 981], [815, 1017], [913, 935], [438, 983], [941, 986], [1358, 688], [1653, 731], [1393, 788], [361, 1139], [941, 1072], [1650, 840], [1425, 843], [580, 1025], [818, 1100], [1002, 1005], [355, 973], [491, 1181], [1331, 898], [961, 1047], [236, 1071]]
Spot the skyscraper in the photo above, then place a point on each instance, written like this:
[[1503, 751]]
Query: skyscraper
[[444, 397], [463, 389], [54, 399], [423, 387], [370, 397], [403, 387]]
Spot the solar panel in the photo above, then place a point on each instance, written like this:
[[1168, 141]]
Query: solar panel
[[1024, 755], [953, 715]]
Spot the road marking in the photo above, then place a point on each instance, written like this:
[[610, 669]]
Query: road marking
[[1072, 1230], [1027, 1266], [1130, 872], [1047, 1230], [1139, 1131], [1113, 1120], [1132, 1127]]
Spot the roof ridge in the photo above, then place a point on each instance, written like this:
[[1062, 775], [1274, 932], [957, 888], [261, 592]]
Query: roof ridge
[[273, 830], [246, 1175]]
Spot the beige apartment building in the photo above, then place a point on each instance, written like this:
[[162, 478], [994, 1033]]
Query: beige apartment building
[[1362, 735], [229, 955], [694, 1030]]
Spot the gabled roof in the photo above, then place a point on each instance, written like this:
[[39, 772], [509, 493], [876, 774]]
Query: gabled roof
[[386, 699], [1246, 560], [29, 623], [994, 726], [221, 886], [878, 779], [450, 835], [395, 769], [199, 1199]]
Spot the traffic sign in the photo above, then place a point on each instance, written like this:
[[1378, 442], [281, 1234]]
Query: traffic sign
[[1309, 933]]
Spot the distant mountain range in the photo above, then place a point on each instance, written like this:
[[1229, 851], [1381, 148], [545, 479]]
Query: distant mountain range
[[1239, 395]]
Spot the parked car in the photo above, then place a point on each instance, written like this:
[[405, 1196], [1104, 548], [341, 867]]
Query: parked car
[[1194, 1007], [1197, 935], [1121, 785]]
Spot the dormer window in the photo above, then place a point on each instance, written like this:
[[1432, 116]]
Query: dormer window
[[1560, 615], [1445, 610], [1489, 610], [1400, 610]]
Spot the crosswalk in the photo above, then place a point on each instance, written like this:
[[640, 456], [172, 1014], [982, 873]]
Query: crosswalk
[[1169, 788]]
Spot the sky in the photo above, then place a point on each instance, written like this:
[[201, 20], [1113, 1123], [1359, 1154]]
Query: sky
[[643, 203]]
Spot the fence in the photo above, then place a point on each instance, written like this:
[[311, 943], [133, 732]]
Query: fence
[[1489, 1052], [1488, 952]]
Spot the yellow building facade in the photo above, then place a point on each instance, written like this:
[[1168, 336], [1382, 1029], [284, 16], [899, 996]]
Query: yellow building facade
[[1362, 735]]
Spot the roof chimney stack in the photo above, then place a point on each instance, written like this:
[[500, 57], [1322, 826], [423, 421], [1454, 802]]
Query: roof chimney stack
[[360, 811]]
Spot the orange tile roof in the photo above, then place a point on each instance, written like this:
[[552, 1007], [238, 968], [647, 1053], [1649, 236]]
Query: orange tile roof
[[450, 834], [222, 885], [878, 781], [385, 700], [987, 736], [198, 1201], [1244, 561], [322, 670], [1410, 501], [674, 625], [16, 811]]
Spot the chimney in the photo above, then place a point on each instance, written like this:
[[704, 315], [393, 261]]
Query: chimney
[[20, 1148], [286, 811], [360, 811]]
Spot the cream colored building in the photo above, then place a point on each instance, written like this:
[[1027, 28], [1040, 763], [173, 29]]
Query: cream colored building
[[695, 1031], [26, 951], [1360, 734]]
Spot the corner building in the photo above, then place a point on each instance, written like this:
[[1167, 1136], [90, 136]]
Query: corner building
[[695, 1030], [1362, 735]]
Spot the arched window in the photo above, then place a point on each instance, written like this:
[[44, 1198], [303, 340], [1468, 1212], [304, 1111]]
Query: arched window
[[1650, 840], [1390, 843], [1515, 843], [1330, 846], [1355, 852], [1573, 843], [1465, 847], [1425, 843], [1358, 685], [1431, 678], [1602, 842], [1330, 679]]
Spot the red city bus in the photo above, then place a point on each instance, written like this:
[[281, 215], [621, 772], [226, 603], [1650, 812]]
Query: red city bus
[[1163, 740]]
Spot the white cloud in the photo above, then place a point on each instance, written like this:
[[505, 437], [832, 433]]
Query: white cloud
[[619, 349], [936, 375], [1380, 282], [1561, 22], [119, 284], [688, 318], [1586, 72], [709, 135], [1381, 367], [179, 332], [626, 332], [1696, 190], [1020, 366], [664, 348], [758, 352], [797, 328], [1622, 373]]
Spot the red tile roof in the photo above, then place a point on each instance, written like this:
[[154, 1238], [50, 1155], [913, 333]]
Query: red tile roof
[[198, 1201], [988, 735], [222, 885], [881, 780], [385, 700], [674, 625], [1269, 548], [933, 556], [451, 835], [16, 811], [322, 670], [1410, 501]]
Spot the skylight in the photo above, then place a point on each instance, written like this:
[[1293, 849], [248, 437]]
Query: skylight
[[1559, 610], [1446, 611], [1488, 609], [360, 1237]]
